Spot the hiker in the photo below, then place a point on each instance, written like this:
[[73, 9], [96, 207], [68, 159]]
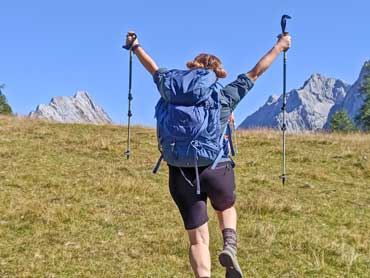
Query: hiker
[[216, 183]]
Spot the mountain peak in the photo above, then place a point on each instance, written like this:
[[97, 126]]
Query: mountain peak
[[307, 108], [272, 99], [314, 81], [365, 70], [316, 76], [82, 94], [354, 99], [317, 82], [77, 109]]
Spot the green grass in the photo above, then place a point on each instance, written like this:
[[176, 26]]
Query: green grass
[[71, 205]]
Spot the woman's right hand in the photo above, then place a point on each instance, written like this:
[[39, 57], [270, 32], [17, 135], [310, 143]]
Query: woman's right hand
[[131, 39]]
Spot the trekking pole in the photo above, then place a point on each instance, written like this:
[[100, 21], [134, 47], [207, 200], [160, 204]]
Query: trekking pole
[[283, 108], [130, 98]]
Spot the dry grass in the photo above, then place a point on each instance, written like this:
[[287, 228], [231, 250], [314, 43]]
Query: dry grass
[[71, 205]]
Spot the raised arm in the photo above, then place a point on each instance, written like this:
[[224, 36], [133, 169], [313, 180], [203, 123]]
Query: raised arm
[[283, 44], [144, 57]]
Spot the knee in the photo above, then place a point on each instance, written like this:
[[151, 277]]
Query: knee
[[223, 205], [200, 239], [199, 236]]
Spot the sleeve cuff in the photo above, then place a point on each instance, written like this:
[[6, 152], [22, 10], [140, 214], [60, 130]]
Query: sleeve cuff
[[157, 75], [243, 77]]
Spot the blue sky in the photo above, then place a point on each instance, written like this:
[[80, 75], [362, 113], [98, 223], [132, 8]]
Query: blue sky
[[51, 48]]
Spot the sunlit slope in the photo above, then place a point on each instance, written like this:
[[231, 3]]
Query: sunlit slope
[[72, 205]]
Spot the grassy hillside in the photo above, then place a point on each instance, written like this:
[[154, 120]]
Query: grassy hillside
[[71, 205]]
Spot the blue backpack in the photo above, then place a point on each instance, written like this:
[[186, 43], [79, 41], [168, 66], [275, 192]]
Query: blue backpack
[[188, 120]]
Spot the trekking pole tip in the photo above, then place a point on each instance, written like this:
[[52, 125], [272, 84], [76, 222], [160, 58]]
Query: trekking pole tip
[[283, 178], [128, 154]]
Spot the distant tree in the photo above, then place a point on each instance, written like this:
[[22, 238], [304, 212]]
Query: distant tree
[[341, 122], [4, 106], [363, 117]]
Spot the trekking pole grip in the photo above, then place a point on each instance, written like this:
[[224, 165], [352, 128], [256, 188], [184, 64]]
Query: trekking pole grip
[[283, 23]]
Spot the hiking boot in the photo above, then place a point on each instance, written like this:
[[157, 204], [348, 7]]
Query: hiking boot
[[229, 260]]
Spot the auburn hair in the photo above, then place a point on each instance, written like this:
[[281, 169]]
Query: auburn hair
[[208, 61]]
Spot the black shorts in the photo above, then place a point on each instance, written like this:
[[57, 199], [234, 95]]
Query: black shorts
[[218, 185]]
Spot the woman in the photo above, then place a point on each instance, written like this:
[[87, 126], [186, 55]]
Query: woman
[[219, 184]]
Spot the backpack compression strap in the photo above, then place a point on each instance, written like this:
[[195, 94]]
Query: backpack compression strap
[[226, 132], [230, 138]]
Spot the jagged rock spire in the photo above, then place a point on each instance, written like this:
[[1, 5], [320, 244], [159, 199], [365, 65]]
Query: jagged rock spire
[[307, 108], [77, 109]]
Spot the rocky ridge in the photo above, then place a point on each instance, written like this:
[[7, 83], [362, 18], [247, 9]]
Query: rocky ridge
[[310, 108], [77, 109]]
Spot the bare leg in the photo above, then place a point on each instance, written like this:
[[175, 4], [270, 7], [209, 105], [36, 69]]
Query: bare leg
[[227, 218], [199, 256]]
